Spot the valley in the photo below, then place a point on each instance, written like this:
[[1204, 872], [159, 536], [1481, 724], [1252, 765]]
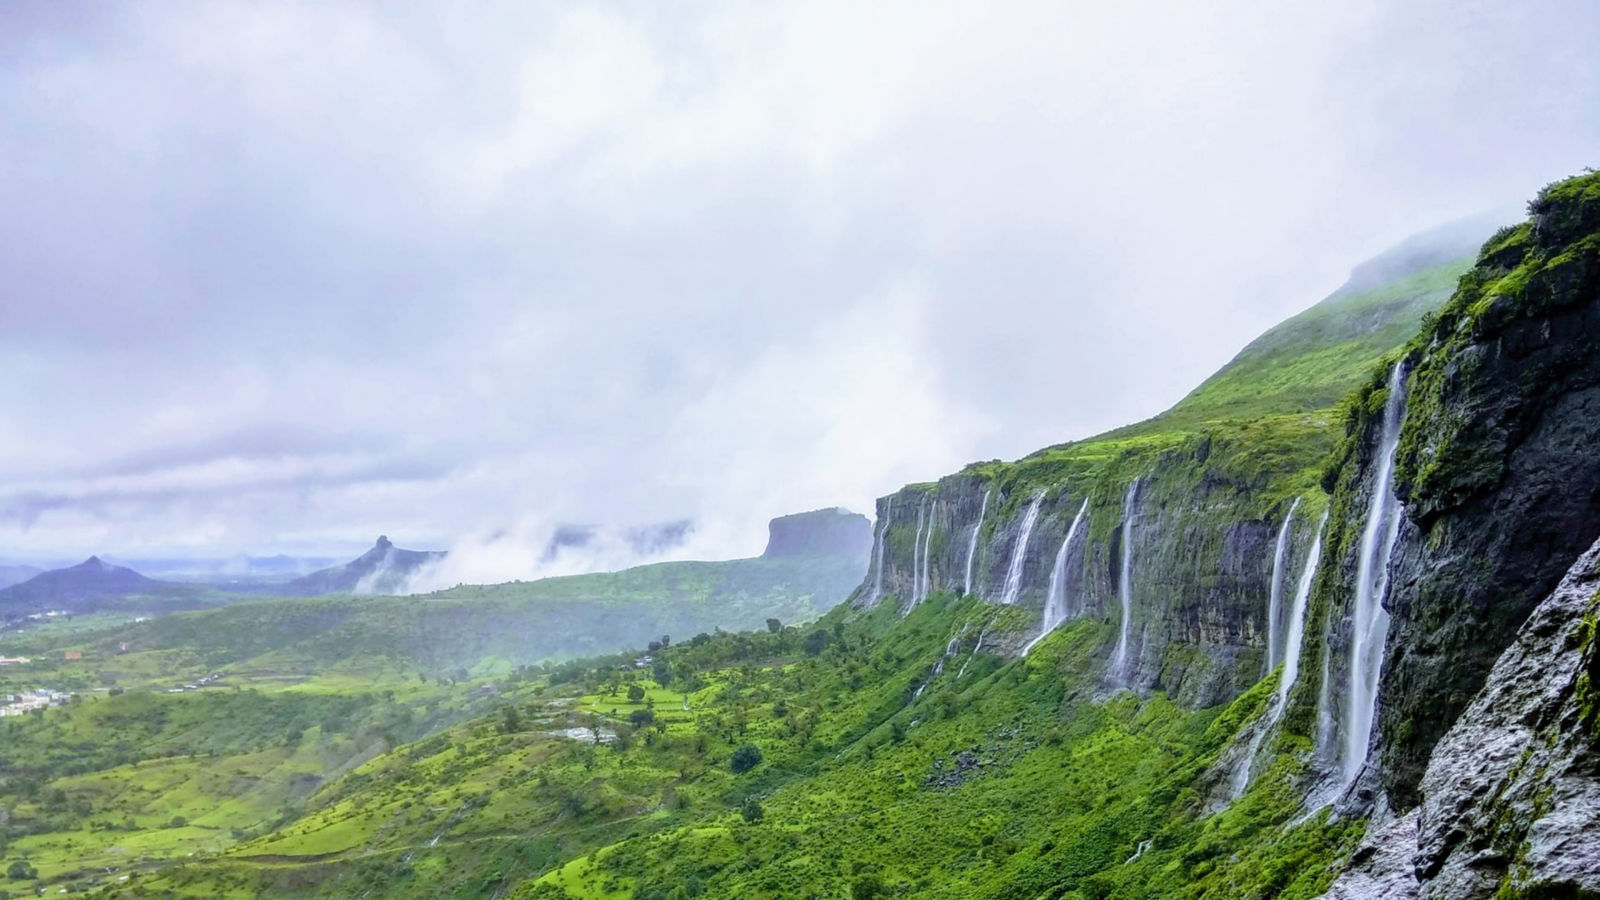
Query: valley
[[1239, 649]]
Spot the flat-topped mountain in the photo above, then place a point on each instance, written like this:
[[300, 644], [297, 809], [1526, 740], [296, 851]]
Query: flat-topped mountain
[[821, 531]]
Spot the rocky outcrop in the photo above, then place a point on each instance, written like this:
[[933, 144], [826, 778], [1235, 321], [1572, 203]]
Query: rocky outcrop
[[819, 532], [385, 569], [1510, 801]]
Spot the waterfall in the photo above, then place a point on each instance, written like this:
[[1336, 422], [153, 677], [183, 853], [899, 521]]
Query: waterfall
[[1370, 621], [1055, 602], [976, 647], [1275, 596], [883, 533], [972, 545], [925, 580], [1294, 639], [916, 550], [1325, 723], [951, 648], [1019, 552], [1119, 657]]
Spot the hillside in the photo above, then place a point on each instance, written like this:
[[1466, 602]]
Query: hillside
[[1253, 648]]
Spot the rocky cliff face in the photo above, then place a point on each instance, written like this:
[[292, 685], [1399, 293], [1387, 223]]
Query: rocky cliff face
[[1217, 476], [1510, 801], [1201, 535], [1496, 469]]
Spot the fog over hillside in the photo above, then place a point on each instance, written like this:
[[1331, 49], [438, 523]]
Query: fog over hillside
[[468, 276]]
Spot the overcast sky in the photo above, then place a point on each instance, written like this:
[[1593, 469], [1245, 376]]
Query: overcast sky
[[281, 277]]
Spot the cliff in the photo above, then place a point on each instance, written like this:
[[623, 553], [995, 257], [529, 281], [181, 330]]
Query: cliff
[[1216, 478], [1495, 470]]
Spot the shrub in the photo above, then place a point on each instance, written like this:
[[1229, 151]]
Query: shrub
[[744, 759]]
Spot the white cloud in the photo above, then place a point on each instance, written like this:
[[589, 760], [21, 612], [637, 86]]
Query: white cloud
[[290, 276]]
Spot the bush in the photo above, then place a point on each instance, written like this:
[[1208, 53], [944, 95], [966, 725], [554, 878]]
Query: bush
[[866, 887], [752, 811], [635, 693], [21, 870], [744, 759]]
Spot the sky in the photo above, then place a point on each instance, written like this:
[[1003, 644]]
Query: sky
[[281, 277]]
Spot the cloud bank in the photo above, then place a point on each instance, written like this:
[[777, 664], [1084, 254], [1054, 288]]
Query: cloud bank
[[280, 278]]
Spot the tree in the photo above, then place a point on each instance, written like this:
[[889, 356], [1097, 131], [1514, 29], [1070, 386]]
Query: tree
[[662, 672], [641, 717], [774, 626], [21, 870], [752, 811], [866, 887], [744, 759], [635, 693], [815, 642], [512, 721]]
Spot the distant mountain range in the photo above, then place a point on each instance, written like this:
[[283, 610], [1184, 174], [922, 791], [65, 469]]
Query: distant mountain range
[[10, 575], [98, 585], [87, 587]]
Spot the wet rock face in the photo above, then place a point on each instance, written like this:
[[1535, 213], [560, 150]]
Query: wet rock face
[[1511, 798], [1512, 794], [1510, 802], [1499, 469], [1202, 544], [1380, 869]]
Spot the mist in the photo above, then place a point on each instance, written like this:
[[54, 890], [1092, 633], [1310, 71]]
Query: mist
[[281, 278]]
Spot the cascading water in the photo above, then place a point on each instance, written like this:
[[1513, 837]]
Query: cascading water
[[916, 550], [972, 545], [1294, 639], [1370, 621], [1119, 657], [975, 648], [951, 648], [925, 581], [883, 532], [1275, 601], [1325, 719], [1019, 552], [1296, 636], [1055, 603]]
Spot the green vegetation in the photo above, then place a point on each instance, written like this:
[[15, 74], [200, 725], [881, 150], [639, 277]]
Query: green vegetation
[[1000, 779], [477, 743]]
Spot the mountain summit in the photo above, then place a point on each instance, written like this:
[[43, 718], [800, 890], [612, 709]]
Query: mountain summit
[[384, 569]]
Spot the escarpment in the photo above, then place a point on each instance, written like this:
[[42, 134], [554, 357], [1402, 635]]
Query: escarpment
[[1191, 553], [1497, 470]]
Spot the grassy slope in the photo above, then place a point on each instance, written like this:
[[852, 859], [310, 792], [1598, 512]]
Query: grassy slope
[[97, 784], [473, 630], [1065, 790], [1069, 787]]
